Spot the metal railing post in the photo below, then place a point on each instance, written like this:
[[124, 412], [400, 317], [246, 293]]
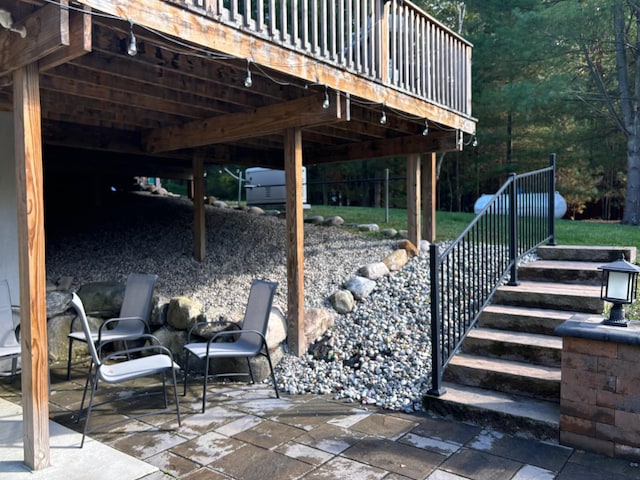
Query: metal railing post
[[552, 199], [513, 229], [436, 341]]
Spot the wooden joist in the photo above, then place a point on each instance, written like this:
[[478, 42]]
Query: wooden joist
[[47, 32], [443, 141], [304, 112]]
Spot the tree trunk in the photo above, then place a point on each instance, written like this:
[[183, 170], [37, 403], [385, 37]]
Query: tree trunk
[[632, 201]]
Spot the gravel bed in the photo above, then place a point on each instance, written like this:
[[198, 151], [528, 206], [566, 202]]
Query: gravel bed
[[377, 354]]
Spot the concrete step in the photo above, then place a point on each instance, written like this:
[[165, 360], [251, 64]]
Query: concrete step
[[507, 413], [518, 346], [581, 253], [507, 376], [556, 296], [583, 273], [523, 319]]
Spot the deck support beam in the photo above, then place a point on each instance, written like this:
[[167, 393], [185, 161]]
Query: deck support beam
[[199, 226], [295, 240], [429, 198], [31, 261], [414, 198]]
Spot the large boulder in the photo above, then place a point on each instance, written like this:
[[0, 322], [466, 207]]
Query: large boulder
[[183, 313], [103, 299], [57, 302], [316, 322]]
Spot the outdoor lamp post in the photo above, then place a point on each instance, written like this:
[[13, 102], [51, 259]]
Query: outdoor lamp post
[[619, 284]]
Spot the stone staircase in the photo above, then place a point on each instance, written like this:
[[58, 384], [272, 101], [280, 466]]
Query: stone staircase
[[507, 372]]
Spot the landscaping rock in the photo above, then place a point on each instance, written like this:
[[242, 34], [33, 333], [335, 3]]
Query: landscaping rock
[[412, 250], [316, 322], [342, 301], [396, 260], [183, 313], [360, 287], [374, 271], [335, 221]]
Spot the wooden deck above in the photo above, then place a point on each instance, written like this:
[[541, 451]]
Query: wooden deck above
[[362, 78]]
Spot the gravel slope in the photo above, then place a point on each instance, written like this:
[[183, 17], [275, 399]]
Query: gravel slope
[[153, 234]]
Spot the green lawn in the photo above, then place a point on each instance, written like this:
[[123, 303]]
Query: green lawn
[[450, 224]]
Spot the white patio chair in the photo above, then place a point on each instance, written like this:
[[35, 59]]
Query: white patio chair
[[110, 370], [130, 324], [248, 342], [9, 344]]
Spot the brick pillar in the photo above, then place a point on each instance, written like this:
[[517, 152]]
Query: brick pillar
[[600, 392]]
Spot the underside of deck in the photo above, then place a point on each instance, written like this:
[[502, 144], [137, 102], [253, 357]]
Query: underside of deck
[[187, 88]]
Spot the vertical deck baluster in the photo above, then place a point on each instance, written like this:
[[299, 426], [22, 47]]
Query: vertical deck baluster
[[323, 25], [314, 26], [260, 16], [272, 19], [332, 30], [393, 33], [341, 28], [233, 11], [284, 27], [295, 23], [247, 20], [422, 58], [304, 27], [357, 41]]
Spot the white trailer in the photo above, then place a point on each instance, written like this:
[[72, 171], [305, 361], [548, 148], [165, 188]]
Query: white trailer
[[265, 186]]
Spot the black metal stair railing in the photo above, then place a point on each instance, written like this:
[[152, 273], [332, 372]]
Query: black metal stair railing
[[466, 272]]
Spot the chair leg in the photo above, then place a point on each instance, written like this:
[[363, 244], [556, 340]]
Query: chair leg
[[204, 388], [273, 376], [94, 387], [86, 385], [14, 369], [69, 358], [250, 371], [164, 389], [175, 395], [186, 372]]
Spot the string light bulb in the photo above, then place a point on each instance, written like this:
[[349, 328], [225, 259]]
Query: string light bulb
[[475, 141], [425, 132], [326, 103], [248, 81], [383, 116], [133, 47]]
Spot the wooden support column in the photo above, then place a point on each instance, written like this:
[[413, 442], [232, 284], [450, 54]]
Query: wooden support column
[[413, 198], [33, 300], [199, 227], [429, 199], [295, 240]]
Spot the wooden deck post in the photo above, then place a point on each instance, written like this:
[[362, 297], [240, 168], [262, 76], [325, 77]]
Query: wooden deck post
[[199, 226], [33, 301], [413, 198], [295, 240], [429, 199]]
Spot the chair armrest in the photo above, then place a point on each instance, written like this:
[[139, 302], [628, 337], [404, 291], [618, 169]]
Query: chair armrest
[[106, 323], [154, 345]]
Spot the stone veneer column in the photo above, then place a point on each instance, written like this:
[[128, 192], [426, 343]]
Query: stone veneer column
[[600, 392]]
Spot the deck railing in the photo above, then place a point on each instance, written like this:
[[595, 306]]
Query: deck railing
[[389, 41], [466, 272]]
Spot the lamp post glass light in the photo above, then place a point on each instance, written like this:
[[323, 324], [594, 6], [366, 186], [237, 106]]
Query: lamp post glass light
[[619, 284]]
